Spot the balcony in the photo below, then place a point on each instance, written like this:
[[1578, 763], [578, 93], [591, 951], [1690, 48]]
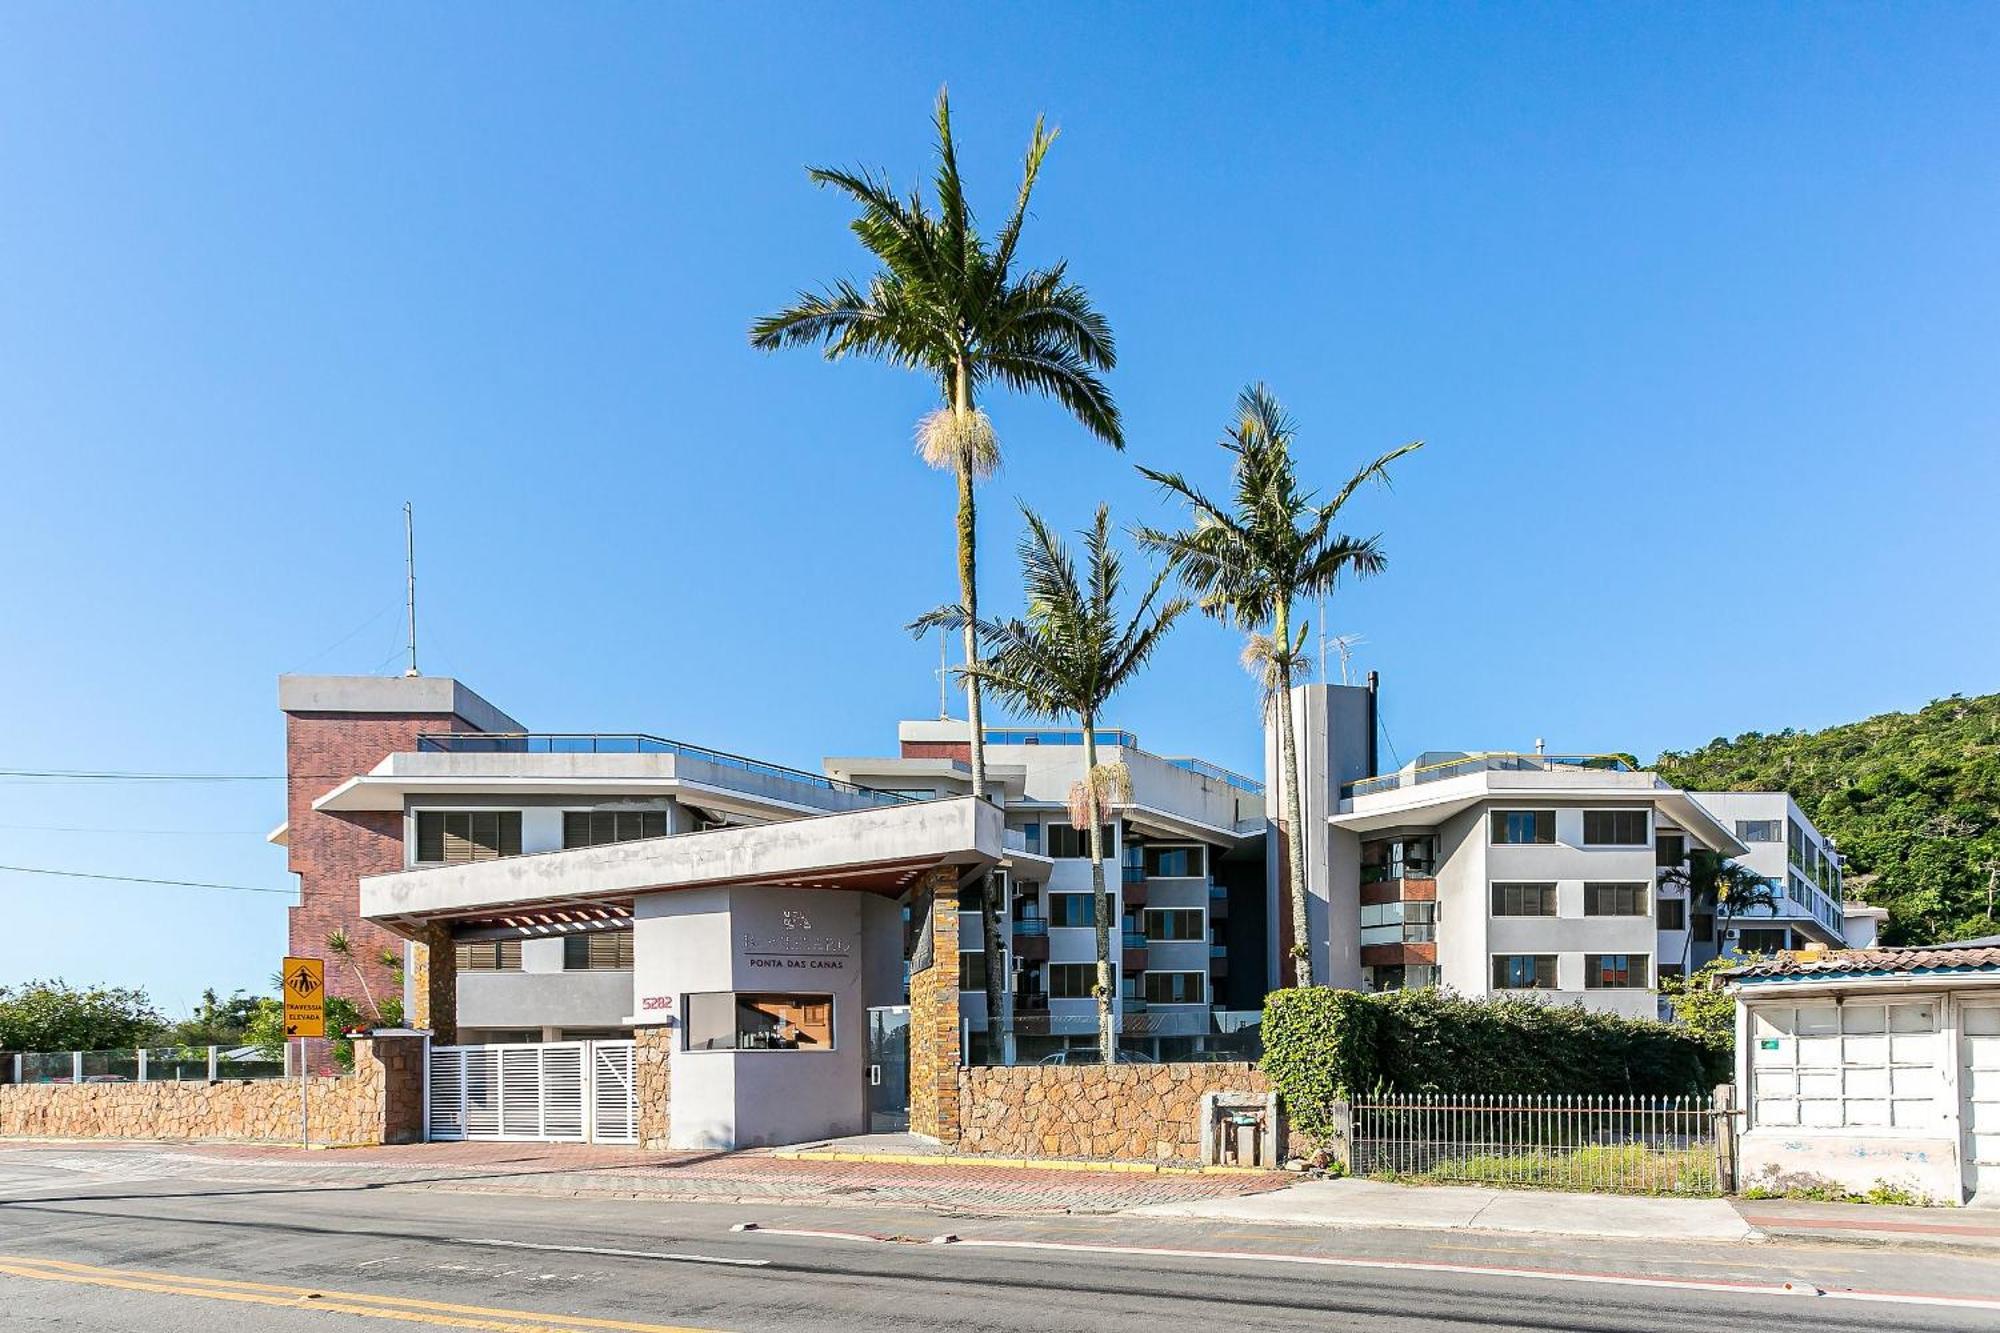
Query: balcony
[[1132, 955], [1218, 902], [1133, 890], [1031, 940]]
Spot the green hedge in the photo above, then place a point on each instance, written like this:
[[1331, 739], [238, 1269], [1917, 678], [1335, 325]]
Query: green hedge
[[1322, 1045]]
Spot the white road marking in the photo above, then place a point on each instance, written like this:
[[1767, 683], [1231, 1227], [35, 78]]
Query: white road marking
[[614, 1254]]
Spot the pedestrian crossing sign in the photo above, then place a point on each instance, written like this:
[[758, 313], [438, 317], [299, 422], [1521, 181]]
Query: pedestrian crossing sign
[[305, 997]]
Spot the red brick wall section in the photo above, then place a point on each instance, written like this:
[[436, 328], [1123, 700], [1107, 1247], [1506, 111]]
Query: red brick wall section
[[330, 852], [959, 750]]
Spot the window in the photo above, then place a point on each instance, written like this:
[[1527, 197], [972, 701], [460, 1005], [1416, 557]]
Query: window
[[1176, 988], [1704, 925], [1399, 976], [1072, 981], [1524, 899], [1176, 862], [1672, 914], [1616, 971], [1072, 909], [1760, 941], [1034, 834], [1174, 923], [489, 956], [1614, 828], [1398, 923], [972, 971], [1795, 843], [600, 951], [594, 828], [1759, 830], [1398, 858], [1822, 1066], [451, 836], [1615, 900], [972, 897], [1670, 849], [1066, 840], [1524, 826], [734, 1021], [1524, 971]]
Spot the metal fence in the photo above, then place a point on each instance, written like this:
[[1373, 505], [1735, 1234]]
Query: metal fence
[[1618, 1145], [166, 1064]]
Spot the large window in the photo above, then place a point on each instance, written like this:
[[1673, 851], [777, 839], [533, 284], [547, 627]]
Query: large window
[[738, 1021], [1072, 909], [1617, 971], [1398, 923], [1414, 857], [602, 951], [594, 828], [1176, 862], [1066, 840], [450, 836], [1825, 1066], [489, 956], [1760, 830], [1614, 828], [1177, 988], [1524, 826], [1615, 900], [1524, 899], [972, 971], [1524, 971], [1174, 923], [1670, 849], [1760, 940], [1072, 981]]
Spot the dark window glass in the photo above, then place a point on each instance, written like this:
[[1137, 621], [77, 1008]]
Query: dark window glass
[[1176, 987], [1524, 971], [1669, 849], [1176, 862], [1524, 899], [1615, 971], [972, 971], [1066, 840], [1174, 923], [1524, 826], [1072, 981], [1759, 830], [1614, 828], [1672, 914], [1615, 900], [1072, 909]]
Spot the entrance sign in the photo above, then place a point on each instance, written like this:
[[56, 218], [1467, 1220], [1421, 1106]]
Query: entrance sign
[[305, 997]]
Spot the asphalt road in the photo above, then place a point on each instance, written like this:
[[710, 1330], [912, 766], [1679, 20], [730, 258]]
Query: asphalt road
[[160, 1256]]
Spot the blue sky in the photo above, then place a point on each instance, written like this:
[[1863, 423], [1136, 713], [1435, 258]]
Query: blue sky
[[1696, 308]]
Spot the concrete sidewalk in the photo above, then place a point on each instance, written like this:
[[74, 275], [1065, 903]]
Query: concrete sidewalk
[[1374, 1204], [1873, 1224]]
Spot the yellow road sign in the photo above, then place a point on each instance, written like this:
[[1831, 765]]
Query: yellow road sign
[[305, 997]]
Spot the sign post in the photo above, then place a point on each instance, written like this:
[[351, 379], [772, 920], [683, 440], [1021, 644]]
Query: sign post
[[305, 1016]]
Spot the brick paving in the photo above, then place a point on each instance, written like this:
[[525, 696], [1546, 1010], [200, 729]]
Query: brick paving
[[562, 1169]]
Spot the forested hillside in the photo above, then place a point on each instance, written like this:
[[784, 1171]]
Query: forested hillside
[[1913, 799]]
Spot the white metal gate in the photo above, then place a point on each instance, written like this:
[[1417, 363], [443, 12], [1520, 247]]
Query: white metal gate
[[1979, 1090], [552, 1092]]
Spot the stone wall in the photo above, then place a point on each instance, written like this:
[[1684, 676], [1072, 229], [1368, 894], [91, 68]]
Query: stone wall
[[381, 1102], [653, 1083], [934, 1035], [1125, 1112]]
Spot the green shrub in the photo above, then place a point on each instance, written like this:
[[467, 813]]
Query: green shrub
[[1322, 1045]]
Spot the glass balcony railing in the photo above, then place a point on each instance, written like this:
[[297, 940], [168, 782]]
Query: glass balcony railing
[[1031, 926], [488, 742], [1228, 777], [1133, 939], [1488, 762]]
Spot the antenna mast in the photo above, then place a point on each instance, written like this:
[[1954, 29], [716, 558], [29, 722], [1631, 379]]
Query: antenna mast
[[410, 580]]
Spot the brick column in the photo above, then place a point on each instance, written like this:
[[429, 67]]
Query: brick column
[[434, 984], [934, 1034], [652, 1078]]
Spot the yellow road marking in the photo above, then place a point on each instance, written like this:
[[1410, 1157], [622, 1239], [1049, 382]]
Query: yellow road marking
[[366, 1304]]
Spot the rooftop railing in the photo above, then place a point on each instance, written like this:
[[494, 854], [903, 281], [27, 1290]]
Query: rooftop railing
[[562, 742], [1490, 762], [1226, 776], [1056, 736]]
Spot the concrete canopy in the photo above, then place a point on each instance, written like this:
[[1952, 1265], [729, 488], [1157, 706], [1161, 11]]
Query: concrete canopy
[[880, 851]]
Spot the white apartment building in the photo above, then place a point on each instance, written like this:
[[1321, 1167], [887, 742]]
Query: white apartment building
[[1801, 866], [1184, 868]]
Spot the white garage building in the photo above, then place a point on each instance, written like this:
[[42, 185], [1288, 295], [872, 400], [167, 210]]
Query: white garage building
[[1873, 1067]]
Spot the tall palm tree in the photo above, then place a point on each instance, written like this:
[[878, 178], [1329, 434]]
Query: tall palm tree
[[1248, 563], [951, 303], [1065, 657], [1717, 885]]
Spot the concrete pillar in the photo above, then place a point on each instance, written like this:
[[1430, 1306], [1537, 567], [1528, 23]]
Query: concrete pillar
[[934, 1025], [433, 984]]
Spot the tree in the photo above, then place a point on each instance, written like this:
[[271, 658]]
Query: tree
[[1700, 1000], [1718, 886], [55, 1016], [216, 1021], [950, 303], [1065, 657], [1249, 562]]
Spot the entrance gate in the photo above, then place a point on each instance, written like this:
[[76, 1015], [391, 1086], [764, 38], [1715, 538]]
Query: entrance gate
[[889, 1069], [551, 1092]]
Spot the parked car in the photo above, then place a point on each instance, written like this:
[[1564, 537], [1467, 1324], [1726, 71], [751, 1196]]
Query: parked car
[[1087, 1055]]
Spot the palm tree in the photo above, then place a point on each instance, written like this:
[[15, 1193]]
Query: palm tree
[[950, 303], [1249, 562], [1715, 884], [341, 947], [1064, 658]]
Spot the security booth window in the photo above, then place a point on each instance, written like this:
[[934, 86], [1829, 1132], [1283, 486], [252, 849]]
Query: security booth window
[[761, 1021]]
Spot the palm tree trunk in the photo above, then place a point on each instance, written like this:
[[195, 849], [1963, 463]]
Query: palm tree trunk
[[1100, 897], [1295, 824], [999, 994]]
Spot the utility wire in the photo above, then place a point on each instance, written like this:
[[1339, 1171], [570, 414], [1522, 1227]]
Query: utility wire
[[139, 879]]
